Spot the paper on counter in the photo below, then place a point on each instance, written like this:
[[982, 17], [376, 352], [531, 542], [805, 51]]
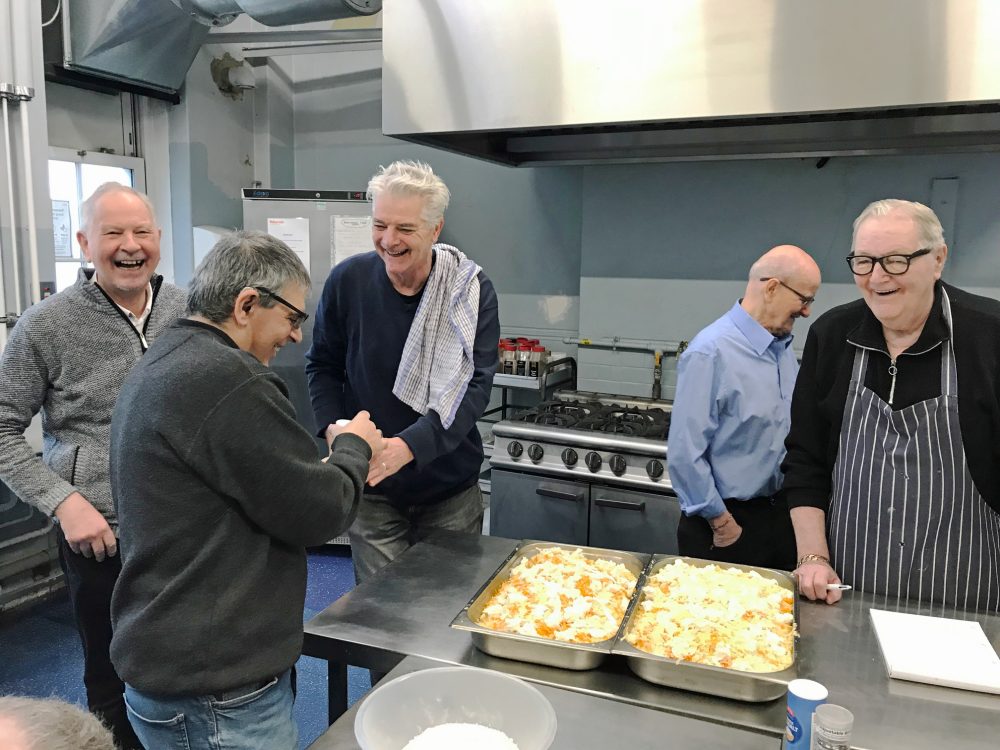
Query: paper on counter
[[937, 651]]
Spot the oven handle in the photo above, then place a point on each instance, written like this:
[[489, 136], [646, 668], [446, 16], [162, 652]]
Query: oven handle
[[620, 504], [573, 497]]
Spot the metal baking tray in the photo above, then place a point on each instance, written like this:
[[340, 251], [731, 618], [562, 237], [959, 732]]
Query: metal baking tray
[[755, 687], [553, 653]]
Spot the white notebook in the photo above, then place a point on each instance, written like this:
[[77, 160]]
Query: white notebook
[[937, 650]]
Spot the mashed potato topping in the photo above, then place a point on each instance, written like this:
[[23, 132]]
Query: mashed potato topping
[[563, 595], [725, 617]]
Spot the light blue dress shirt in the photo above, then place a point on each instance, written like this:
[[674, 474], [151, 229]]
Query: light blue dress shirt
[[731, 413]]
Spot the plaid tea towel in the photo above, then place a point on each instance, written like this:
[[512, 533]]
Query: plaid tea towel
[[437, 361]]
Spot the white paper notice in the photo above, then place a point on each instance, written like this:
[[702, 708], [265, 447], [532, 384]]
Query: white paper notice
[[349, 235], [62, 229], [937, 650], [294, 233]]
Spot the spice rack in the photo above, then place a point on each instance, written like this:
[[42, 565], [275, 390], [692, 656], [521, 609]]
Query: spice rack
[[552, 374]]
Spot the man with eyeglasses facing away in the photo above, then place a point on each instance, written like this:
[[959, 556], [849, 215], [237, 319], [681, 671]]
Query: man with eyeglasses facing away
[[219, 490], [731, 414], [893, 466]]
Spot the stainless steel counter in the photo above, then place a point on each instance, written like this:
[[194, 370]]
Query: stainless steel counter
[[406, 610], [587, 723]]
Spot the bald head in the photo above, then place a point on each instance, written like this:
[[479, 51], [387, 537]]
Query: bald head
[[786, 262], [780, 288]]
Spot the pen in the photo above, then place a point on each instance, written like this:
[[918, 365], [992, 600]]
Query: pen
[[837, 587]]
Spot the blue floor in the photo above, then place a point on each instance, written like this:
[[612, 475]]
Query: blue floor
[[40, 650]]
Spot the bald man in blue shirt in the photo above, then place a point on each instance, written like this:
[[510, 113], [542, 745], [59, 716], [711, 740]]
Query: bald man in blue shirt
[[732, 411]]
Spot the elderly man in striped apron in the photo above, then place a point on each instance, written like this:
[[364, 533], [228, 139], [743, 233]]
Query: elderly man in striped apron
[[893, 465]]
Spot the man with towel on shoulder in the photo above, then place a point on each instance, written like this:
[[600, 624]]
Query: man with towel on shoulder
[[408, 333]]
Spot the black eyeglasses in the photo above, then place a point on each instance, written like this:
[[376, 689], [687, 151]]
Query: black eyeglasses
[[895, 264], [300, 316], [806, 301]]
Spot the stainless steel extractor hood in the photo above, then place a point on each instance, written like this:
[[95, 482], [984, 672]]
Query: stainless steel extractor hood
[[148, 45], [528, 82]]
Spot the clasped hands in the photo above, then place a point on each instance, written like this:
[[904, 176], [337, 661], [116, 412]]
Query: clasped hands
[[389, 455]]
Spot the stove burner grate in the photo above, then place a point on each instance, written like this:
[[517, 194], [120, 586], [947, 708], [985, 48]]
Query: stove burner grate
[[596, 417]]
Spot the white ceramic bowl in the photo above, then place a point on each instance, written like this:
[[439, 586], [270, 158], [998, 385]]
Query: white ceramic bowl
[[396, 712]]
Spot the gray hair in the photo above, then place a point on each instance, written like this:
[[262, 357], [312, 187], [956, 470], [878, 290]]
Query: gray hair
[[239, 260], [928, 225], [52, 724], [89, 205], [408, 178]]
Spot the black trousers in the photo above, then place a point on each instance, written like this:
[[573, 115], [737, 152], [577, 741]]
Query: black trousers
[[90, 584], [767, 541]]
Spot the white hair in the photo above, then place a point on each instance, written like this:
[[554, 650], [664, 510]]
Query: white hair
[[407, 178], [89, 205], [52, 724], [928, 224]]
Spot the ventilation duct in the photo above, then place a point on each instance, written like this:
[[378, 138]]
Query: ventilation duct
[[147, 46]]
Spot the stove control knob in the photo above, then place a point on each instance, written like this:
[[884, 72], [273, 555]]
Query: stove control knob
[[515, 449], [593, 461], [618, 465], [655, 469], [535, 452], [569, 457]]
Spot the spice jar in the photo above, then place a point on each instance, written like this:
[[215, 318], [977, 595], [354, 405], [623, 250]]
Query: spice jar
[[523, 355], [831, 727], [536, 362]]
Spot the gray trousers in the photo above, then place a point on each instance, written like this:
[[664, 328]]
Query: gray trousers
[[382, 531]]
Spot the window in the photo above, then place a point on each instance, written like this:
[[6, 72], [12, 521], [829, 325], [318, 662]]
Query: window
[[73, 177]]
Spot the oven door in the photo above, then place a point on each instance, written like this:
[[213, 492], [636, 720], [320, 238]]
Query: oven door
[[633, 521], [529, 506]]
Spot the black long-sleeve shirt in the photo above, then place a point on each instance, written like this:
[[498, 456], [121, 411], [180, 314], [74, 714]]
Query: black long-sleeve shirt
[[820, 393]]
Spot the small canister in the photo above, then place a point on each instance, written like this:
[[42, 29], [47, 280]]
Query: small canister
[[803, 698], [523, 355], [831, 728], [508, 354], [537, 360]]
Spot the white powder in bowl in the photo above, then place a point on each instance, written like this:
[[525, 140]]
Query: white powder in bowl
[[461, 737]]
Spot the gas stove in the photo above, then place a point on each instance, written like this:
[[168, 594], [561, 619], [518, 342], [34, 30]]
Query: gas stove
[[614, 440]]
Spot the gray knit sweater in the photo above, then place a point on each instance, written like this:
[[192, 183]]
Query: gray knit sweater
[[68, 357]]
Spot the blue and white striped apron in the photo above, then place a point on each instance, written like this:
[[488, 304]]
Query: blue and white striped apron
[[906, 519]]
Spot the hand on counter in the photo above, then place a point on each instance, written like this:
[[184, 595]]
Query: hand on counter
[[396, 455], [814, 579], [87, 532], [725, 530], [363, 427]]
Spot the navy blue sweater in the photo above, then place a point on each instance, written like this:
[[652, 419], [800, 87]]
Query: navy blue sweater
[[361, 326]]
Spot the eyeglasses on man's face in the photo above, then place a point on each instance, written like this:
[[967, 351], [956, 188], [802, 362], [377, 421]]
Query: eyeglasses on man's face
[[300, 316], [804, 299], [895, 264]]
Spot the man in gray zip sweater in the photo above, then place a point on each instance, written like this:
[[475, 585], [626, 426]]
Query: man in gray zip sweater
[[67, 358], [219, 490]]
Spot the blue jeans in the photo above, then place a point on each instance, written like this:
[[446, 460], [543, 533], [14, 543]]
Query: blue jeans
[[250, 718], [383, 531]]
